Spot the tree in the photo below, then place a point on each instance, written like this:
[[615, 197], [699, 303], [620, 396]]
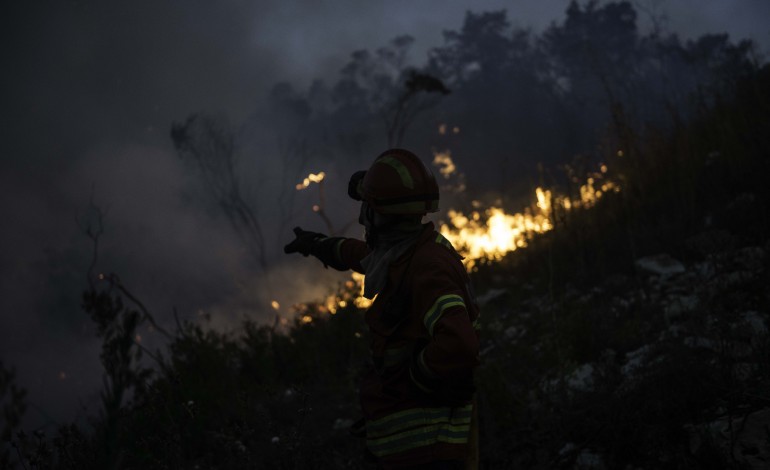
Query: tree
[[208, 145], [381, 84]]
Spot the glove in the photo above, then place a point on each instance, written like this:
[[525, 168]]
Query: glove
[[303, 243]]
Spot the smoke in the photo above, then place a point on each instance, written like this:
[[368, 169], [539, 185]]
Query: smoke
[[91, 91]]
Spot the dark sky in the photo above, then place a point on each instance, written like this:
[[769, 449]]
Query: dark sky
[[90, 89]]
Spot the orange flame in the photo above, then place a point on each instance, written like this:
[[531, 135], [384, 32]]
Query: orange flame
[[311, 178], [444, 161], [492, 233], [486, 233]]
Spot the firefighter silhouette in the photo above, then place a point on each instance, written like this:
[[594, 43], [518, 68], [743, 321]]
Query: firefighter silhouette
[[417, 398]]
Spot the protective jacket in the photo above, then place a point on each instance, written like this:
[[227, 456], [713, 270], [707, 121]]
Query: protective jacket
[[416, 398]]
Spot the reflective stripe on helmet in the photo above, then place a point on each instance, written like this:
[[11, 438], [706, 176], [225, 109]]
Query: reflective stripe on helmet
[[397, 183], [401, 169]]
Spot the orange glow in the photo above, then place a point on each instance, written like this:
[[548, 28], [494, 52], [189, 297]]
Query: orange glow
[[311, 178], [487, 232], [491, 233], [444, 161], [275, 305]]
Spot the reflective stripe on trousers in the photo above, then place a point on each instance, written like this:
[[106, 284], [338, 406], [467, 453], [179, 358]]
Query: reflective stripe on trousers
[[418, 427]]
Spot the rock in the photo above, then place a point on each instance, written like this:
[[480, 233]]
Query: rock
[[588, 459], [636, 359], [662, 265], [585, 459], [490, 295], [513, 333], [582, 378], [341, 423]]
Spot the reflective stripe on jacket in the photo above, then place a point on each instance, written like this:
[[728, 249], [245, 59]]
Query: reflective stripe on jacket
[[422, 338]]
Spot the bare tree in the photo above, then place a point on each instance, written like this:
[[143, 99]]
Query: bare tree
[[421, 92], [382, 84], [208, 145]]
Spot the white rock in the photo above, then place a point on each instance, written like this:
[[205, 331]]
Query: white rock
[[588, 459], [568, 447], [582, 378], [636, 359], [662, 265], [514, 333], [490, 295]]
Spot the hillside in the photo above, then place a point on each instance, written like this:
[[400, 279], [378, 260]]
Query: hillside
[[632, 335]]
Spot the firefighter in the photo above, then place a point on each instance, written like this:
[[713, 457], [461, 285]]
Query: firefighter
[[417, 398]]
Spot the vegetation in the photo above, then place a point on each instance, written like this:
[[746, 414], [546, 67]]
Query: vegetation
[[590, 357]]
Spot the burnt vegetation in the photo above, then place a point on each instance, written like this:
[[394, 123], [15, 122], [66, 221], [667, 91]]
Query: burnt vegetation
[[633, 335]]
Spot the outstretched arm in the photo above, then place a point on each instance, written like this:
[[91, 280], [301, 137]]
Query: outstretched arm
[[336, 252]]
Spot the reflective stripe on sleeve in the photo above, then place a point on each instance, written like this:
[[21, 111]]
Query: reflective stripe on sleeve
[[442, 303]]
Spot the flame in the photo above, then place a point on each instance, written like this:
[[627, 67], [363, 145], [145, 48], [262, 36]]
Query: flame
[[360, 301], [486, 233], [353, 293], [491, 233], [311, 178], [444, 160], [275, 305], [442, 129]]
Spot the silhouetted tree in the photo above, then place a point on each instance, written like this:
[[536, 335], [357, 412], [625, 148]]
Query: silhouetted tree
[[208, 145]]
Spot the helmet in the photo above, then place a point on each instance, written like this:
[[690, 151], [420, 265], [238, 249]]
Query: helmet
[[397, 183]]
